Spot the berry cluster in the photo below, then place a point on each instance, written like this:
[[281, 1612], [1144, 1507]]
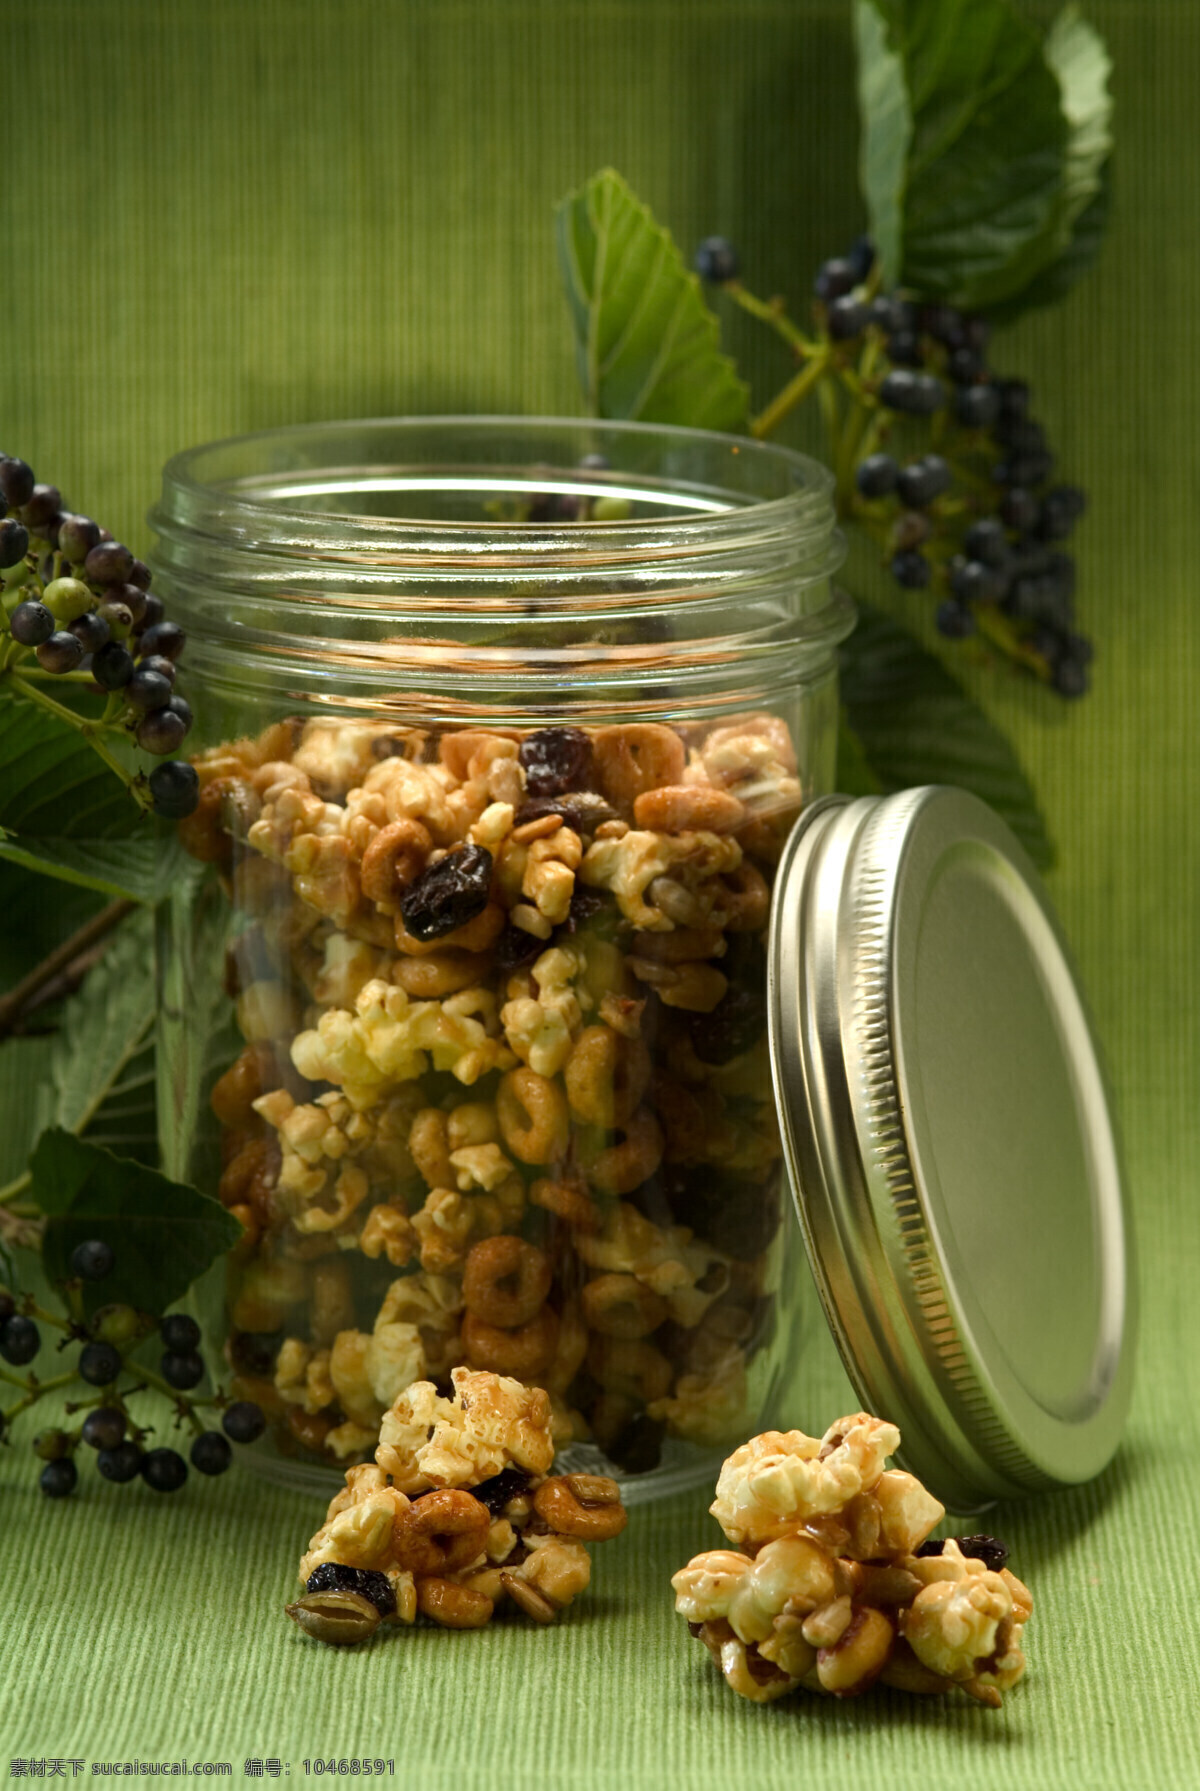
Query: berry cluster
[[938, 459], [76, 601], [109, 1427]]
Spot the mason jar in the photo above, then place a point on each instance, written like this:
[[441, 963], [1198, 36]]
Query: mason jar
[[504, 725]]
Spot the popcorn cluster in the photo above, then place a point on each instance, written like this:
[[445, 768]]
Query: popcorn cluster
[[503, 1002], [455, 1516], [832, 1585]]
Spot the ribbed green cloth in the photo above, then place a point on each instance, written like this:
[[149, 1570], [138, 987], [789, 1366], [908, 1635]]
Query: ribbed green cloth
[[220, 217]]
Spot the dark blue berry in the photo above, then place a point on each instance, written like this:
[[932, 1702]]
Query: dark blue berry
[[16, 481], [243, 1421], [92, 1260], [913, 394], [112, 665], [1024, 469], [834, 277], [944, 323], [108, 563], [164, 1470], [964, 366], [954, 619], [180, 706], [121, 1464], [179, 1331], [174, 790], [332, 1576], [14, 542], [1061, 509], [885, 313], [876, 476], [1019, 510], [20, 1340], [861, 257], [58, 1479], [77, 536], [716, 260], [152, 614], [922, 481], [157, 662], [211, 1454], [140, 576], [167, 638], [162, 732], [1014, 397], [31, 623], [92, 633], [904, 349], [1020, 435], [183, 1369], [1070, 677], [62, 652], [1079, 647], [986, 540], [147, 690], [104, 1428], [972, 582], [846, 318], [99, 1364], [43, 511], [910, 569], [448, 894], [976, 407]]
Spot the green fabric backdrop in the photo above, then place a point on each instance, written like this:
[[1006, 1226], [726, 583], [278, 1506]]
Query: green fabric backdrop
[[219, 217]]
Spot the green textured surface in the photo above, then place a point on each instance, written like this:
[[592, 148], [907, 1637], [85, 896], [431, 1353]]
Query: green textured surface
[[219, 217]]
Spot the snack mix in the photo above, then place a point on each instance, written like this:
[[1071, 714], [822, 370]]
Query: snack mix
[[831, 1583], [504, 1096], [455, 1515]]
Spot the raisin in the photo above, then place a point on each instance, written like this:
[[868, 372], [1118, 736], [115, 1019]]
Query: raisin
[[515, 949], [495, 1493], [331, 1576], [638, 1448], [987, 1549], [556, 759], [587, 907], [737, 1022], [735, 1216], [582, 810], [448, 894], [254, 1352]]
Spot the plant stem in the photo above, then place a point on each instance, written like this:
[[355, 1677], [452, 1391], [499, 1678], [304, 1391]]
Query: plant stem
[[771, 312], [81, 941], [794, 393]]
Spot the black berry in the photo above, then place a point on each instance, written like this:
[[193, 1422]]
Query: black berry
[[164, 1470], [331, 1576], [112, 664], [58, 1479], [104, 1428], [43, 510], [121, 1464], [913, 394], [161, 732], [60, 653], [14, 541], [92, 1260], [1019, 510], [976, 407], [180, 1332], [846, 318], [31, 623], [921, 481], [16, 481], [876, 477], [904, 349], [860, 257], [20, 1340], [910, 569], [243, 1421], [167, 638], [972, 581], [834, 277], [174, 790], [147, 690], [183, 1370], [986, 540], [99, 1364], [211, 1454], [108, 563], [92, 632], [716, 260], [449, 894], [76, 537], [954, 619]]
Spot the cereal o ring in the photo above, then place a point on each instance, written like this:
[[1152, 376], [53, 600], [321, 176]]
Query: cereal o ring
[[688, 808], [441, 973], [567, 1201], [439, 1533], [606, 1076], [636, 757], [533, 1116], [620, 1306], [525, 1353], [452, 1605], [505, 1281], [396, 855], [584, 1505], [621, 1168]]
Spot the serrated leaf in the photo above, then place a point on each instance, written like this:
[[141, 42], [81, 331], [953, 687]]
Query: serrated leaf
[[141, 868], [24, 1070], [917, 725], [44, 926], [648, 346], [964, 146], [106, 1025], [163, 1234]]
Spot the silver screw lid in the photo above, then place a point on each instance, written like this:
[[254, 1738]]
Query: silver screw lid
[[950, 1141]]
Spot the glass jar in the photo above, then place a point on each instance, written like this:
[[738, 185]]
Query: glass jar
[[504, 725]]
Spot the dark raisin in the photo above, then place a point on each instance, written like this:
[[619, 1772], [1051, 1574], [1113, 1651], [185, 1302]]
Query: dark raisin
[[582, 810], [253, 1353], [448, 894], [515, 949], [737, 1021], [988, 1549], [638, 1447], [331, 1576], [556, 759], [587, 907], [732, 1213], [495, 1493]]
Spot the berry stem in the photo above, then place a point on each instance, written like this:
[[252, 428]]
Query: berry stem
[[82, 940], [772, 312], [89, 729], [12, 1190], [793, 394]]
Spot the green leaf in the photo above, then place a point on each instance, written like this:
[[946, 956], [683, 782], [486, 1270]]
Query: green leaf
[[964, 148], [854, 774], [648, 346], [45, 925], [916, 725], [24, 1070], [142, 868], [164, 1234]]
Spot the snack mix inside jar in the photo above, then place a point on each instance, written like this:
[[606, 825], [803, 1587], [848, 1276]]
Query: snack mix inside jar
[[464, 995]]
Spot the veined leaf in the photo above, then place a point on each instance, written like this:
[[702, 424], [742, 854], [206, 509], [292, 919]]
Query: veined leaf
[[24, 1068], [916, 725], [648, 346], [142, 867], [965, 147], [163, 1234]]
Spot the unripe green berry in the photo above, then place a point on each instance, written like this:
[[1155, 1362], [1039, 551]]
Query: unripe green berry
[[117, 1324], [119, 617], [51, 1445], [67, 598]]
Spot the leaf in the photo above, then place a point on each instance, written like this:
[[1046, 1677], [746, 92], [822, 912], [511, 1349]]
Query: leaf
[[24, 1068], [64, 814], [648, 346], [164, 1234], [964, 148], [854, 774], [917, 725], [44, 924], [106, 1025]]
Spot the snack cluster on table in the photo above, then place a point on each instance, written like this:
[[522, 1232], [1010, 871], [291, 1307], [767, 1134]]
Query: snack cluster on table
[[455, 1516], [504, 1097], [832, 1585]]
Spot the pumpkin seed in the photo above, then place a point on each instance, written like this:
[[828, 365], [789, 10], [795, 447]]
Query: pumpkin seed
[[339, 1618]]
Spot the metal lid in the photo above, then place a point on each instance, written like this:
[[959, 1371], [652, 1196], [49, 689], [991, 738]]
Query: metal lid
[[952, 1151]]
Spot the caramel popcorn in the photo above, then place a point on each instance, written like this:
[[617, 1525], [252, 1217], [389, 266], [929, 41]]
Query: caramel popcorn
[[455, 1515], [834, 1584]]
